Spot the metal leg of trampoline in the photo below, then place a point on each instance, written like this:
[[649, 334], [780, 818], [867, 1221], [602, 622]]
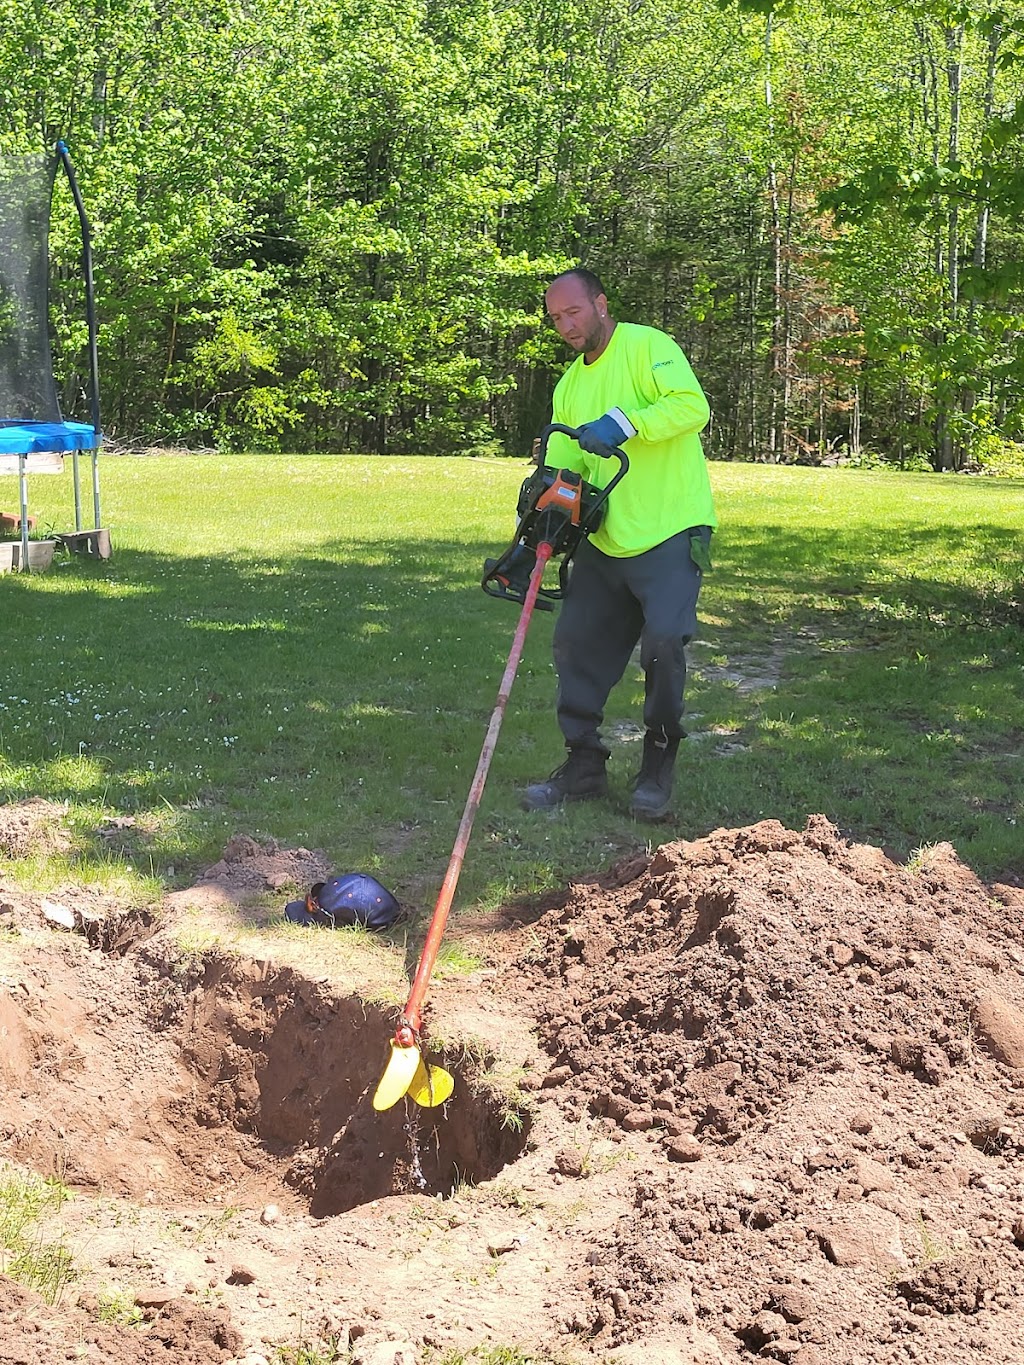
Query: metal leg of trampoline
[[96, 486], [23, 490], [78, 492]]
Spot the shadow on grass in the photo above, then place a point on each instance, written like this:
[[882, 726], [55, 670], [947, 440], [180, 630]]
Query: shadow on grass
[[967, 575], [898, 710], [339, 699]]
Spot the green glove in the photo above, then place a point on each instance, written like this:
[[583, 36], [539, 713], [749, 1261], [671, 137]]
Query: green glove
[[700, 554]]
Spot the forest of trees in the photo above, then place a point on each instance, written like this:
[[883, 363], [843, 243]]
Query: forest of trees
[[327, 224]]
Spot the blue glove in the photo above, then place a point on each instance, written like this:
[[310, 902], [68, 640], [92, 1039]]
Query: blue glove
[[608, 432]]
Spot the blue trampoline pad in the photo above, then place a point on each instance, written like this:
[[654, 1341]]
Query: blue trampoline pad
[[28, 438]]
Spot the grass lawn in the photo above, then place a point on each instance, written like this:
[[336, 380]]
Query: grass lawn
[[297, 647]]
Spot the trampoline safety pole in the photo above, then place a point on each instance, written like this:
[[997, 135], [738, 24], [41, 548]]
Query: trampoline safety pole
[[90, 314], [90, 289]]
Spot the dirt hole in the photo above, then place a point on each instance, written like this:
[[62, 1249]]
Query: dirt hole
[[209, 1077]]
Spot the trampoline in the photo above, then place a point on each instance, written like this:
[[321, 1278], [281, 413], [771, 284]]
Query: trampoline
[[34, 437]]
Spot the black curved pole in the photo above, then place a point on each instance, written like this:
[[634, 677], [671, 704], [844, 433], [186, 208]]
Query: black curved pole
[[90, 293]]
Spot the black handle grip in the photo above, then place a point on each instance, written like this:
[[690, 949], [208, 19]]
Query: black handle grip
[[574, 435]]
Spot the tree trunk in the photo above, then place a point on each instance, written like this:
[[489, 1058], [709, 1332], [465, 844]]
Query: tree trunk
[[774, 442], [949, 446], [786, 314], [855, 421], [969, 396], [754, 240]]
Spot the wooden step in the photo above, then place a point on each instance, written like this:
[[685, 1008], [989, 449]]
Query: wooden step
[[95, 543]]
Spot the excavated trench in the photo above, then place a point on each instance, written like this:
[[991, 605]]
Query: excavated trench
[[279, 1057], [212, 1078]]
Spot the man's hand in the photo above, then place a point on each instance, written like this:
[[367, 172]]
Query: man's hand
[[608, 432]]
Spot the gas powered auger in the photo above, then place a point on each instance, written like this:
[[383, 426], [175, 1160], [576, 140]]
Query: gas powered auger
[[556, 510], [557, 507]]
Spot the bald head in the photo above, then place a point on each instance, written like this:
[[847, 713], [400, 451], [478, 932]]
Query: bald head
[[578, 308]]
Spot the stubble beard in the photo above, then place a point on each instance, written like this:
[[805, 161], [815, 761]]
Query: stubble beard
[[594, 338]]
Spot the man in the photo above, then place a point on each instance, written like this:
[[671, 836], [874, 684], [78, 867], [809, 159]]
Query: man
[[638, 576]]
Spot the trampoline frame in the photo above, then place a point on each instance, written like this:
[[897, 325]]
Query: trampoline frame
[[64, 157]]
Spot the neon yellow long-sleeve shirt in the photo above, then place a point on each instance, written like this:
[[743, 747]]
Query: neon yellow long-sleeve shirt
[[643, 372]]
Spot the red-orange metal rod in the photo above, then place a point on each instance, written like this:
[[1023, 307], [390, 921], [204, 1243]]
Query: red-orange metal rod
[[409, 1025]]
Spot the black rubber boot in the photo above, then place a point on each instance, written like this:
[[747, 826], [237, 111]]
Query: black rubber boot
[[652, 787], [581, 777]]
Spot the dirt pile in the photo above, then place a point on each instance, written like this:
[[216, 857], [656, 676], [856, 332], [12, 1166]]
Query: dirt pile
[[33, 826], [709, 987], [828, 1050], [249, 864], [779, 1115], [172, 1329]]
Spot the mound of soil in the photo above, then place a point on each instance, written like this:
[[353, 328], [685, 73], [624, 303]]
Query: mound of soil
[[827, 1051], [172, 1330], [33, 826], [776, 1112], [263, 865]]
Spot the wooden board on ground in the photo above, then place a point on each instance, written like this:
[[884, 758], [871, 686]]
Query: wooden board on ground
[[95, 543]]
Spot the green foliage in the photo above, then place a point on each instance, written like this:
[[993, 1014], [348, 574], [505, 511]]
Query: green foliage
[[953, 182], [119, 1308], [328, 228], [25, 1254], [869, 459], [323, 1352], [1004, 459], [487, 1355]]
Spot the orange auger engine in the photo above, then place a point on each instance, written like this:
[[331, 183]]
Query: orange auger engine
[[556, 507]]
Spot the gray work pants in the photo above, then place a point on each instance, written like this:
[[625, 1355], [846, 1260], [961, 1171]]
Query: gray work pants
[[609, 605]]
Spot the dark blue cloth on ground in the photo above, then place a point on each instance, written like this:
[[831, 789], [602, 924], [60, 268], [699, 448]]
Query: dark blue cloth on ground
[[340, 902]]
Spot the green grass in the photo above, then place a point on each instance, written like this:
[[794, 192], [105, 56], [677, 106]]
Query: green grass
[[117, 1307], [26, 1255], [298, 648], [487, 1355], [312, 1353]]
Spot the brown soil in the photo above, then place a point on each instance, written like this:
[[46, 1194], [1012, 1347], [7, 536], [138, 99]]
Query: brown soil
[[768, 1104]]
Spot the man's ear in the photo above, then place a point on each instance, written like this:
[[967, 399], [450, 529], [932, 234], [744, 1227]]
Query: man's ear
[[601, 303]]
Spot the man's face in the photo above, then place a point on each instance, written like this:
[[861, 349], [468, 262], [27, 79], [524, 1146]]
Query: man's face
[[577, 318]]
